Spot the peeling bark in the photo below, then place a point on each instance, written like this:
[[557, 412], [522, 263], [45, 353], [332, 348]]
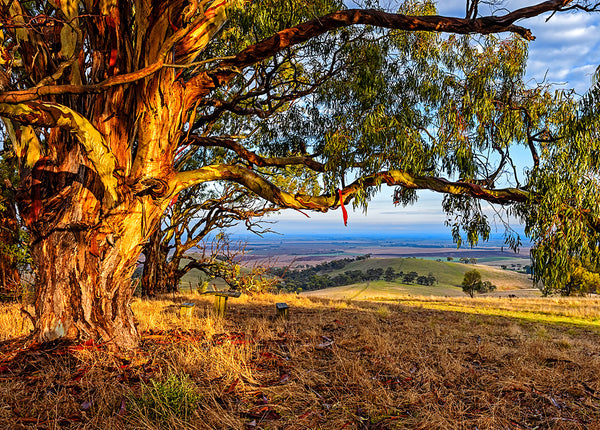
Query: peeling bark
[[81, 295]]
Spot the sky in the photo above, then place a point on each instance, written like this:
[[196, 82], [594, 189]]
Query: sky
[[565, 53]]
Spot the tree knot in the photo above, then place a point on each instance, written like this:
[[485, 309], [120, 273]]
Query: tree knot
[[154, 187]]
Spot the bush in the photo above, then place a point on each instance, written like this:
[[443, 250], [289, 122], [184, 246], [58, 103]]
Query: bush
[[174, 399]]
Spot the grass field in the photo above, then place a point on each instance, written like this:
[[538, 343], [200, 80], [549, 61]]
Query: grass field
[[382, 289], [422, 363], [448, 274]]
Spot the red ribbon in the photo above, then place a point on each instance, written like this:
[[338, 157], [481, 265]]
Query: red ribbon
[[344, 211]]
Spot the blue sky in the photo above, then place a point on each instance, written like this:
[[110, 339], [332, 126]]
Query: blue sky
[[566, 53]]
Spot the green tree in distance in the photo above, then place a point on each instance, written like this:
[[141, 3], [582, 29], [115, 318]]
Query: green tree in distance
[[308, 105], [472, 283]]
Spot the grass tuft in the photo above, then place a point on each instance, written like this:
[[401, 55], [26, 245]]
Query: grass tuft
[[159, 402]]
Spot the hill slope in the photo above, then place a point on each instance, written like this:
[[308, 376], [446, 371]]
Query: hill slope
[[449, 277]]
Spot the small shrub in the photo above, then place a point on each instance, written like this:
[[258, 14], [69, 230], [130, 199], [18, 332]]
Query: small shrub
[[173, 399], [383, 311]]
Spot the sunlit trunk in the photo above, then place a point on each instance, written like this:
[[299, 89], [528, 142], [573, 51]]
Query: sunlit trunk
[[82, 292], [83, 256]]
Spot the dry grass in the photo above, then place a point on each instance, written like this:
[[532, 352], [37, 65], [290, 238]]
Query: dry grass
[[333, 365], [568, 310]]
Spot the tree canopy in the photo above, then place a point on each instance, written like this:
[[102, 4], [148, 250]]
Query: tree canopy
[[308, 105]]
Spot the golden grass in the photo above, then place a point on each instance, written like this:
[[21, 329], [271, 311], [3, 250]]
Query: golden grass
[[13, 323], [333, 365], [565, 310]]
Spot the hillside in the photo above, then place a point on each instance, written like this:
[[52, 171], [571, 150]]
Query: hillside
[[449, 276]]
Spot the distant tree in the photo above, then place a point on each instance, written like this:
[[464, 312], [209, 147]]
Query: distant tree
[[341, 279], [410, 277], [449, 258], [473, 260], [355, 275], [471, 282], [422, 280], [486, 287], [503, 266], [374, 274], [431, 279], [390, 274]]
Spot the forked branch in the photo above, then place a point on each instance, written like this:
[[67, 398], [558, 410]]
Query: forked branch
[[252, 157]]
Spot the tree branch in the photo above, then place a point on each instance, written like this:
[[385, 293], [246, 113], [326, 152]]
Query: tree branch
[[205, 82], [322, 203], [227, 69], [252, 157], [46, 114]]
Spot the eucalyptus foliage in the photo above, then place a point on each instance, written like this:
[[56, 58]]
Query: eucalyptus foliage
[[431, 104]]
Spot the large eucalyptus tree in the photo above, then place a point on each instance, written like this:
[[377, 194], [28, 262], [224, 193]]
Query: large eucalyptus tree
[[103, 99]]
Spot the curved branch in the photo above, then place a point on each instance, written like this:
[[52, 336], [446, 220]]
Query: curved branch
[[226, 70], [55, 115], [322, 203], [252, 157]]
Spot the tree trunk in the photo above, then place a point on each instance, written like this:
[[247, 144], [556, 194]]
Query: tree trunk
[[174, 275], [153, 276], [161, 273], [81, 294], [84, 257], [9, 241]]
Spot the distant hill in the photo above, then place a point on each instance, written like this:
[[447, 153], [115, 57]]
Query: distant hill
[[449, 276]]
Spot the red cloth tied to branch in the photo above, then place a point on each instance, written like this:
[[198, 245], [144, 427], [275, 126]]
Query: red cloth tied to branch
[[344, 211]]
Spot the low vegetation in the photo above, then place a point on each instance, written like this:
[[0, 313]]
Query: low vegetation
[[472, 283], [419, 363], [319, 277]]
